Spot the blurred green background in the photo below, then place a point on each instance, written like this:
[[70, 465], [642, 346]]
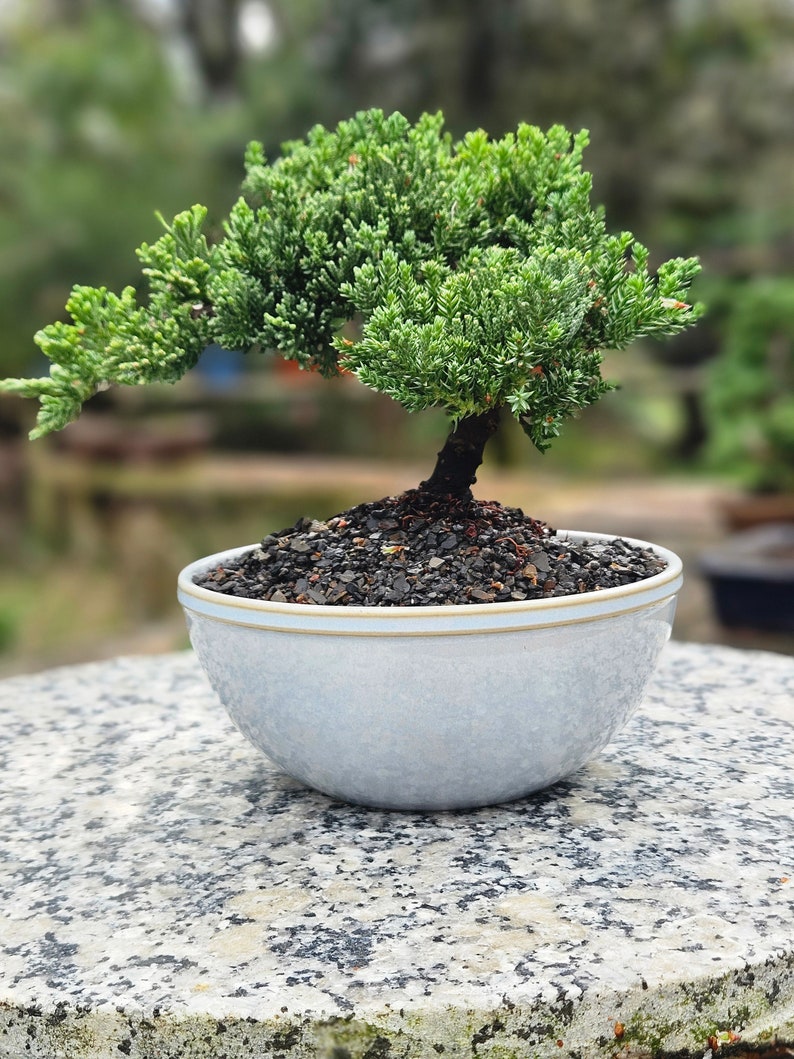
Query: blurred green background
[[113, 109]]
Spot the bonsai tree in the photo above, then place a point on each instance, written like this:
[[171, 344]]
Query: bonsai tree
[[473, 276]]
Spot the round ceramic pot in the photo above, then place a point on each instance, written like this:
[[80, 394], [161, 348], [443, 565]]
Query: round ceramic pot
[[432, 707]]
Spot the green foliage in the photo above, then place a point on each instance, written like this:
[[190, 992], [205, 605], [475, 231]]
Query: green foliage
[[113, 340], [478, 275], [750, 391]]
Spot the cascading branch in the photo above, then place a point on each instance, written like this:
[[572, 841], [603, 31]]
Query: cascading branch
[[476, 276]]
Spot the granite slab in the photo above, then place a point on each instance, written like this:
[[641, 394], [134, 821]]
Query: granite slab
[[168, 893]]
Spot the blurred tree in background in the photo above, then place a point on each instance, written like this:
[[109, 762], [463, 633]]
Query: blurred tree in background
[[94, 133]]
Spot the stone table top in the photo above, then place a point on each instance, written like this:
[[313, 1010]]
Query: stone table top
[[168, 893]]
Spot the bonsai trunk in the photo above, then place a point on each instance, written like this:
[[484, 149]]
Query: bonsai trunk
[[457, 464]]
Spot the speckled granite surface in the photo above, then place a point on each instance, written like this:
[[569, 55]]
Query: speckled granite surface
[[167, 893]]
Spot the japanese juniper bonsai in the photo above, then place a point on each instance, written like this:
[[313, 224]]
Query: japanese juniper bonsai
[[474, 276]]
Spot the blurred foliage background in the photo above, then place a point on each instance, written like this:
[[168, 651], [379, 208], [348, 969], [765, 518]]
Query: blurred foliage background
[[113, 109]]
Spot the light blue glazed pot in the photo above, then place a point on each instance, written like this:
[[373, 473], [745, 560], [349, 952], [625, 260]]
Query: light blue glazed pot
[[432, 707]]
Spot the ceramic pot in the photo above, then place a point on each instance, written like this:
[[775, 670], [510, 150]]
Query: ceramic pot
[[751, 575], [432, 707]]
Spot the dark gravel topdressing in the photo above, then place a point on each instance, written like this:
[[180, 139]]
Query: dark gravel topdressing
[[421, 550]]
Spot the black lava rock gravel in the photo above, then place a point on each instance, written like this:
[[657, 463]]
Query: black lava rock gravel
[[420, 550]]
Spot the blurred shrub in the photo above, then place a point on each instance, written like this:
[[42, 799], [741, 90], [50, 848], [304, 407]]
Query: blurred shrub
[[95, 139], [7, 630], [750, 388]]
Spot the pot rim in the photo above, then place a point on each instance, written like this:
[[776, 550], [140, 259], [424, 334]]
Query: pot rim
[[449, 619]]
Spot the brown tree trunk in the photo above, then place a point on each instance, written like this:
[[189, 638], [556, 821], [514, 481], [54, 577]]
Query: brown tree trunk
[[457, 464]]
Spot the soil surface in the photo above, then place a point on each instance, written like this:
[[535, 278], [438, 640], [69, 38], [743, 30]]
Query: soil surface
[[418, 549]]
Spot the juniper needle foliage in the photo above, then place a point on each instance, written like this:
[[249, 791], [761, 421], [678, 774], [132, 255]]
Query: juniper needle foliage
[[472, 276]]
